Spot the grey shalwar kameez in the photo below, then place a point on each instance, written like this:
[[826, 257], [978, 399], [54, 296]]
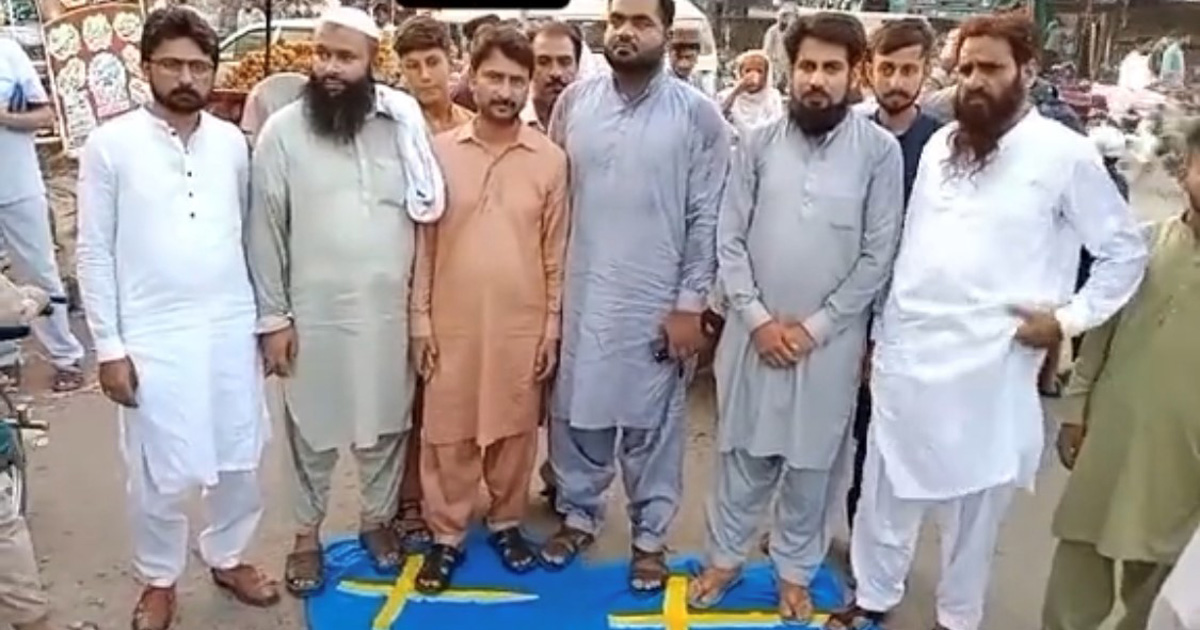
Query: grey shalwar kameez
[[646, 180], [807, 234]]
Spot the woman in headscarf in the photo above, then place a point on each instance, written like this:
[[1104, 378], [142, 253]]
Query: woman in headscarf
[[752, 102]]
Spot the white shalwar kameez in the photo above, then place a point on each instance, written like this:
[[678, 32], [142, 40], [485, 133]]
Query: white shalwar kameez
[[957, 423], [165, 283]]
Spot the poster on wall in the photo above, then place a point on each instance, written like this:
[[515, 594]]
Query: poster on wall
[[95, 66]]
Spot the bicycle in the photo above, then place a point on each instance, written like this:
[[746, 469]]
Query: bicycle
[[15, 420]]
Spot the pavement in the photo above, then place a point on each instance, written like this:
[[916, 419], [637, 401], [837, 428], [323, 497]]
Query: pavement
[[78, 517]]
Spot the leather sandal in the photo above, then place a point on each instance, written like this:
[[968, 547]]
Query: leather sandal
[[155, 609], [248, 585]]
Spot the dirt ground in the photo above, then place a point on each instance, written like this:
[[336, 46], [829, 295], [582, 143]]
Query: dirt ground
[[79, 522]]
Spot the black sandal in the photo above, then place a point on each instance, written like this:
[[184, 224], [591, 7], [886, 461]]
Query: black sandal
[[648, 571], [381, 544], [855, 617], [438, 568], [515, 553], [564, 546], [410, 526]]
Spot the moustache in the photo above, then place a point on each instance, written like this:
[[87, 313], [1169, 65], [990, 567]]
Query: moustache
[[815, 92], [185, 92], [898, 94], [557, 82], [503, 102]]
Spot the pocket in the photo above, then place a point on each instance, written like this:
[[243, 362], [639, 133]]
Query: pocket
[[388, 183]]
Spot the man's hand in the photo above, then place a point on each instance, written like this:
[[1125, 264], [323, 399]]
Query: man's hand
[[777, 346], [118, 381], [279, 351], [803, 342], [1070, 440], [685, 334], [424, 354], [546, 360], [1039, 329]]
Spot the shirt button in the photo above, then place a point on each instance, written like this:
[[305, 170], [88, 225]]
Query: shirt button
[[189, 173], [192, 215], [190, 195]]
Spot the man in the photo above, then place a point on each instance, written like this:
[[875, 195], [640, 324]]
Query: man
[[1130, 441], [461, 95], [978, 293], [557, 50], [773, 43], [269, 96], [24, 213], [485, 320], [752, 102], [173, 318], [788, 362], [632, 304], [1134, 73], [332, 287], [423, 46], [899, 62], [684, 52], [1173, 68]]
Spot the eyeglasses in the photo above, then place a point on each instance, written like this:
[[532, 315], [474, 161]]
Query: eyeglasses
[[195, 67]]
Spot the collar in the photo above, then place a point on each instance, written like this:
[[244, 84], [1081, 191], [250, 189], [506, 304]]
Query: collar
[[529, 115], [161, 124], [526, 136], [656, 79]]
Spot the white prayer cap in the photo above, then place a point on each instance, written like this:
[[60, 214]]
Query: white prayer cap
[[351, 18]]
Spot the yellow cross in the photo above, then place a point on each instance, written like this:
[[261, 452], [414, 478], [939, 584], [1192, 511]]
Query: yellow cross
[[404, 590], [676, 616]]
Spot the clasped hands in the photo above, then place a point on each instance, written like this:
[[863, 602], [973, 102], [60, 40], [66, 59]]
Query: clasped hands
[[782, 344]]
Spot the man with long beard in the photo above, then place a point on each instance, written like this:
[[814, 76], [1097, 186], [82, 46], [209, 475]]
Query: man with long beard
[[423, 46], [170, 305], [486, 310], [330, 244], [787, 366], [648, 159], [977, 296]]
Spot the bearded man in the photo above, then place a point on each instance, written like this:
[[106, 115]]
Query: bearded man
[[332, 287], [641, 261], [173, 318], [787, 366], [486, 310], [978, 294]]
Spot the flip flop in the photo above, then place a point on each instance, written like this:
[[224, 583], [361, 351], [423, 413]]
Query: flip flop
[[713, 597]]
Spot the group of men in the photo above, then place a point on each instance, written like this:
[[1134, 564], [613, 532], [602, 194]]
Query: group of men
[[416, 276]]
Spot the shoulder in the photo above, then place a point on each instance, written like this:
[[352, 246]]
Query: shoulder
[[1062, 141], [11, 50], [225, 131], [119, 129], [871, 137], [282, 123], [444, 142], [545, 148], [755, 141]]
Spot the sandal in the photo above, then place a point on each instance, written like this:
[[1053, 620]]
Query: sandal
[[304, 573], [648, 572], [248, 585], [415, 535], [68, 379], [795, 604], [513, 549], [855, 618], [381, 544], [155, 609], [564, 546], [711, 595], [438, 568]]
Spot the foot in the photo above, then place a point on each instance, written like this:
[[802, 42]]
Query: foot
[[709, 588], [155, 609], [648, 571], [382, 545], [68, 379], [304, 568], [515, 553], [247, 585], [437, 571], [795, 604], [564, 546], [854, 617], [411, 528]]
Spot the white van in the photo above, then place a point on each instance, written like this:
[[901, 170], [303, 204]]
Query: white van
[[591, 18]]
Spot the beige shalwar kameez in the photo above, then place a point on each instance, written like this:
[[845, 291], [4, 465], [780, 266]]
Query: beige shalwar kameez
[[487, 289]]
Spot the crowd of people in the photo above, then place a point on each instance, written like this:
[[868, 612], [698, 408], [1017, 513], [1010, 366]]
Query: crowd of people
[[430, 278]]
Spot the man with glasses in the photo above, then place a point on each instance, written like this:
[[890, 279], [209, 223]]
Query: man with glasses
[[172, 310]]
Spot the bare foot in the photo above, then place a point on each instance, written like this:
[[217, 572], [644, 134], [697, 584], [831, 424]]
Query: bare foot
[[707, 589], [795, 604]]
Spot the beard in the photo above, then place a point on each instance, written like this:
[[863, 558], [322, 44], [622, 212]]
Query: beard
[[641, 62], [895, 101], [816, 120], [983, 120], [339, 114], [184, 99]]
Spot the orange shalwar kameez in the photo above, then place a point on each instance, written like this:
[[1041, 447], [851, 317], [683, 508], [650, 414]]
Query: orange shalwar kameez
[[487, 288]]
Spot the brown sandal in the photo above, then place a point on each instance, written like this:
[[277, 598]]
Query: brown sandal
[[383, 547], [648, 572], [304, 572], [68, 379], [564, 546], [155, 609], [854, 617], [795, 604], [248, 585]]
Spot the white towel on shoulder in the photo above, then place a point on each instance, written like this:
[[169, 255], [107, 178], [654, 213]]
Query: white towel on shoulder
[[425, 189]]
